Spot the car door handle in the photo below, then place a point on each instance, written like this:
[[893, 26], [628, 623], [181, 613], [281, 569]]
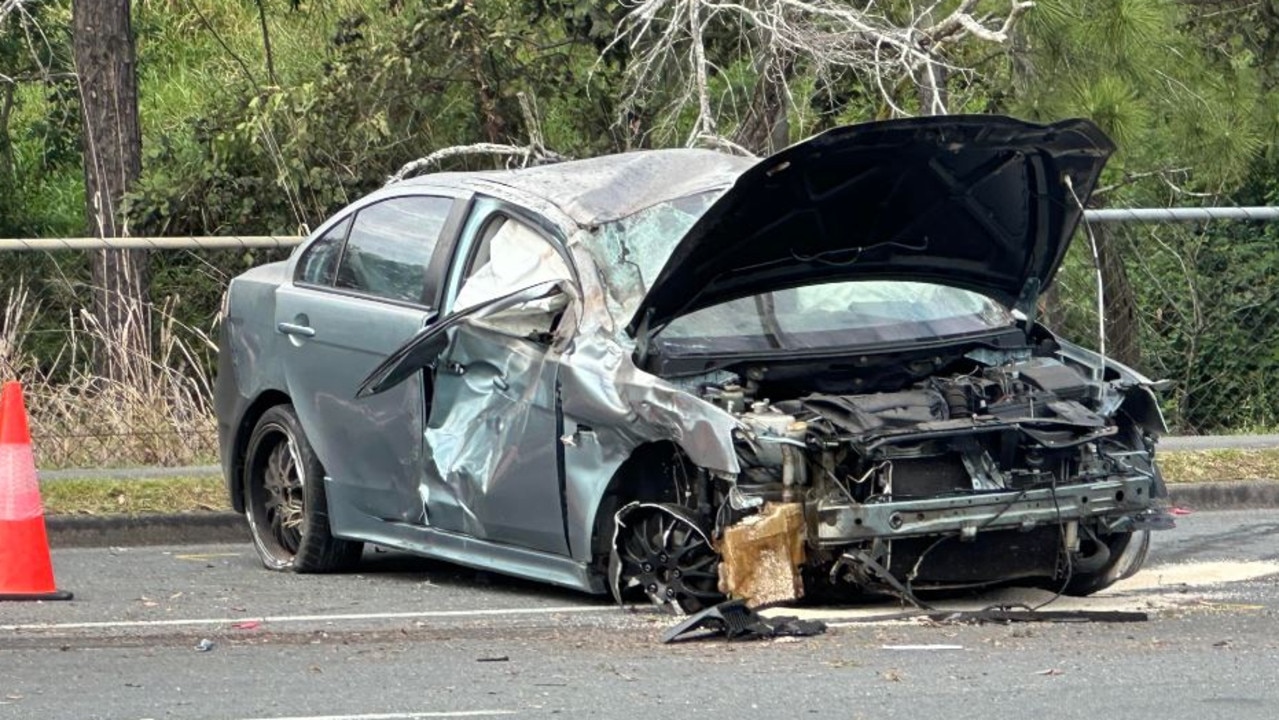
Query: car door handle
[[295, 329]]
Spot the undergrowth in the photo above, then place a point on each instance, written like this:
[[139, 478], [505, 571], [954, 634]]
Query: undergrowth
[[157, 411]]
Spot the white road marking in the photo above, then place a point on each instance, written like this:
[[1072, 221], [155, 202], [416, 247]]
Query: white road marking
[[399, 716], [1195, 575], [204, 556], [921, 647], [1156, 588], [191, 622]]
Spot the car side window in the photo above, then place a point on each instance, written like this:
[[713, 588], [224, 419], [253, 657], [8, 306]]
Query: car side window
[[390, 245], [509, 256], [319, 263]]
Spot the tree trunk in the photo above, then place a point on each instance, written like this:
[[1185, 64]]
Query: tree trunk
[[112, 145], [7, 165]]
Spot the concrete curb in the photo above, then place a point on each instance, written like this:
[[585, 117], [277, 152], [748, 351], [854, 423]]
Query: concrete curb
[[1231, 495], [135, 530], [226, 527]]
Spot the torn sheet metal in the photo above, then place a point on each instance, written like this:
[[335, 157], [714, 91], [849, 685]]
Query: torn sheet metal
[[492, 467], [762, 556]]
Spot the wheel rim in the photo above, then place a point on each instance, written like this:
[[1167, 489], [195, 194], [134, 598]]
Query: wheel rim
[[671, 560], [279, 503]]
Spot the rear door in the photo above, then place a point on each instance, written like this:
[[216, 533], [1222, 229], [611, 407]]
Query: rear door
[[367, 284]]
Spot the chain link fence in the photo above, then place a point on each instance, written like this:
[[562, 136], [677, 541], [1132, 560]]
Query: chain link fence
[[1195, 303], [1190, 296], [160, 413]]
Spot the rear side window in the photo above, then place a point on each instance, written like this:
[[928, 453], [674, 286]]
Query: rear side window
[[390, 246], [320, 263]]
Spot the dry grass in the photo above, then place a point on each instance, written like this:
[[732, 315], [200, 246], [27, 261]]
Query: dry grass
[[157, 411], [1216, 465], [135, 497]]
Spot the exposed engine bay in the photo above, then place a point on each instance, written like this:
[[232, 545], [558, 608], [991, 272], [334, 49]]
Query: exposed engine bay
[[1010, 467], [1021, 425]]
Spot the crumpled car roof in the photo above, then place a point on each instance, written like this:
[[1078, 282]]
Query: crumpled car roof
[[604, 189]]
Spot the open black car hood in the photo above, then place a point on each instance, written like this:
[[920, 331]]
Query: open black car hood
[[979, 202]]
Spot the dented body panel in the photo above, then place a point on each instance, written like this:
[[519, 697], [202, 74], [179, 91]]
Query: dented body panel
[[551, 409]]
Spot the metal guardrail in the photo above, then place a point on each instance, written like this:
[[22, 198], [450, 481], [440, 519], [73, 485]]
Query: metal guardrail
[[220, 242], [1193, 214], [224, 242]]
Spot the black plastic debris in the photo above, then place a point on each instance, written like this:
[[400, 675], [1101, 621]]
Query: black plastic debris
[[1051, 616], [789, 625], [734, 621], [1008, 615]]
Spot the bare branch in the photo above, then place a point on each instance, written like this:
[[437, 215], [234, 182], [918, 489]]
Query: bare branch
[[9, 6], [827, 38], [534, 153], [452, 151], [722, 143], [961, 22]]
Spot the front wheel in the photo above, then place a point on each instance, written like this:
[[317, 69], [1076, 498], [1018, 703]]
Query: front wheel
[[285, 503], [1127, 553], [663, 553]]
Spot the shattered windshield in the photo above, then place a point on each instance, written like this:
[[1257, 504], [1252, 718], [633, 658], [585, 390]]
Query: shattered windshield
[[630, 252], [833, 315]]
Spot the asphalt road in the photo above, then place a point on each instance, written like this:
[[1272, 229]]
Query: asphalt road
[[406, 638]]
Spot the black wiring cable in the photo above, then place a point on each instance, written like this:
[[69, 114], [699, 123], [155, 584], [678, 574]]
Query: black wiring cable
[[910, 577], [914, 571], [1070, 562], [1065, 551]]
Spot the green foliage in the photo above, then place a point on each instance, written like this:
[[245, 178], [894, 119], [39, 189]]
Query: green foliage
[[359, 87], [385, 88]]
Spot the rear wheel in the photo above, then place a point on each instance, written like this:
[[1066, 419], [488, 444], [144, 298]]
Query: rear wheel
[[1127, 553], [284, 499]]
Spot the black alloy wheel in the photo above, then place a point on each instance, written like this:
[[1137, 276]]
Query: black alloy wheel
[[285, 502], [665, 555]]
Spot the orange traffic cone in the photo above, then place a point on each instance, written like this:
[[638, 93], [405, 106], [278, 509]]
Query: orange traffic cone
[[26, 572]]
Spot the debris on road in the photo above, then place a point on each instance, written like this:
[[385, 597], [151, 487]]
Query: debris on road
[[735, 621], [1005, 615], [204, 645], [497, 658], [762, 555], [247, 625], [922, 647]]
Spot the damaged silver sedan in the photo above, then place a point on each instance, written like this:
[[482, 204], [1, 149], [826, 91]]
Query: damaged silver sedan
[[681, 375]]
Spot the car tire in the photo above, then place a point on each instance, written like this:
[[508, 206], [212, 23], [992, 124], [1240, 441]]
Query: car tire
[[662, 553], [1127, 554], [285, 502]]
